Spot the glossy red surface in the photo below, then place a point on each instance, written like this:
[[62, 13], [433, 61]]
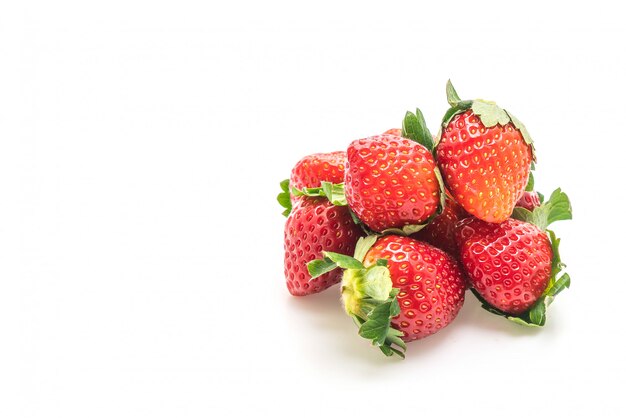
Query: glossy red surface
[[509, 264], [432, 289], [316, 225], [441, 231], [390, 182], [485, 169], [311, 170]]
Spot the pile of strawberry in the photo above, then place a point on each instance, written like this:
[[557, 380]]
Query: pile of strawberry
[[406, 223]]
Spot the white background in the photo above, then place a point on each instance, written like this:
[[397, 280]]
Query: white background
[[141, 146]]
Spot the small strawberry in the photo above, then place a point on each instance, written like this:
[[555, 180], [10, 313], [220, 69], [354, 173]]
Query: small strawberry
[[311, 170], [441, 231], [484, 154], [514, 267], [392, 183], [529, 200], [316, 224], [396, 289], [393, 131]]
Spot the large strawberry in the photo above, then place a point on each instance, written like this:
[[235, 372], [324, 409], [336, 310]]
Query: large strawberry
[[392, 183], [397, 289], [441, 232], [514, 267], [485, 155], [316, 224]]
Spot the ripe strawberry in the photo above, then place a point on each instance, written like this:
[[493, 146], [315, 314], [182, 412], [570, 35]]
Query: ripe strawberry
[[393, 131], [529, 200], [513, 266], [440, 232], [316, 225], [397, 289], [311, 170], [391, 182], [484, 154]]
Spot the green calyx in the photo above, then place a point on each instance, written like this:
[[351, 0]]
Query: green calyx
[[367, 294], [284, 198], [489, 113], [414, 127], [535, 316], [333, 192], [557, 208]]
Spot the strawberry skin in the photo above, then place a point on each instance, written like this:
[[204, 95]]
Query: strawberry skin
[[432, 289], [311, 170], [391, 182], [529, 200], [316, 225], [393, 131], [441, 231], [508, 264], [485, 169]]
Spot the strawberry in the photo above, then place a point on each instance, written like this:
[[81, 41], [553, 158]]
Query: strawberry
[[316, 225], [391, 182], [514, 267], [396, 289], [484, 154], [393, 131], [311, 170], [441, 231], [529, 200]]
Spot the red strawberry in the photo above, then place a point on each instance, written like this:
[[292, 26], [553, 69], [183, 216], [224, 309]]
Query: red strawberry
[[393, 131], [529, 200], [391, 182], [484, 154], [441, 231], [513, 266], [397, 289], [311, 170], [316, 225]]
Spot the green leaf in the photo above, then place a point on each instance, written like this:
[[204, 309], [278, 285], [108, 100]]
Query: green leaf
[[320, 266], [376, 282], [451, 94], [382, 262], [562, 283], [537, 312], [377, 324], [531, 183], [284, 198], [363, 245], [412, 229], [453, 111], [355, 218], [522, 214], [442, 191], [343, 261], [522, 128], [560, 207], [414, 127], [489, 113], [557, 208], [333, 192]]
